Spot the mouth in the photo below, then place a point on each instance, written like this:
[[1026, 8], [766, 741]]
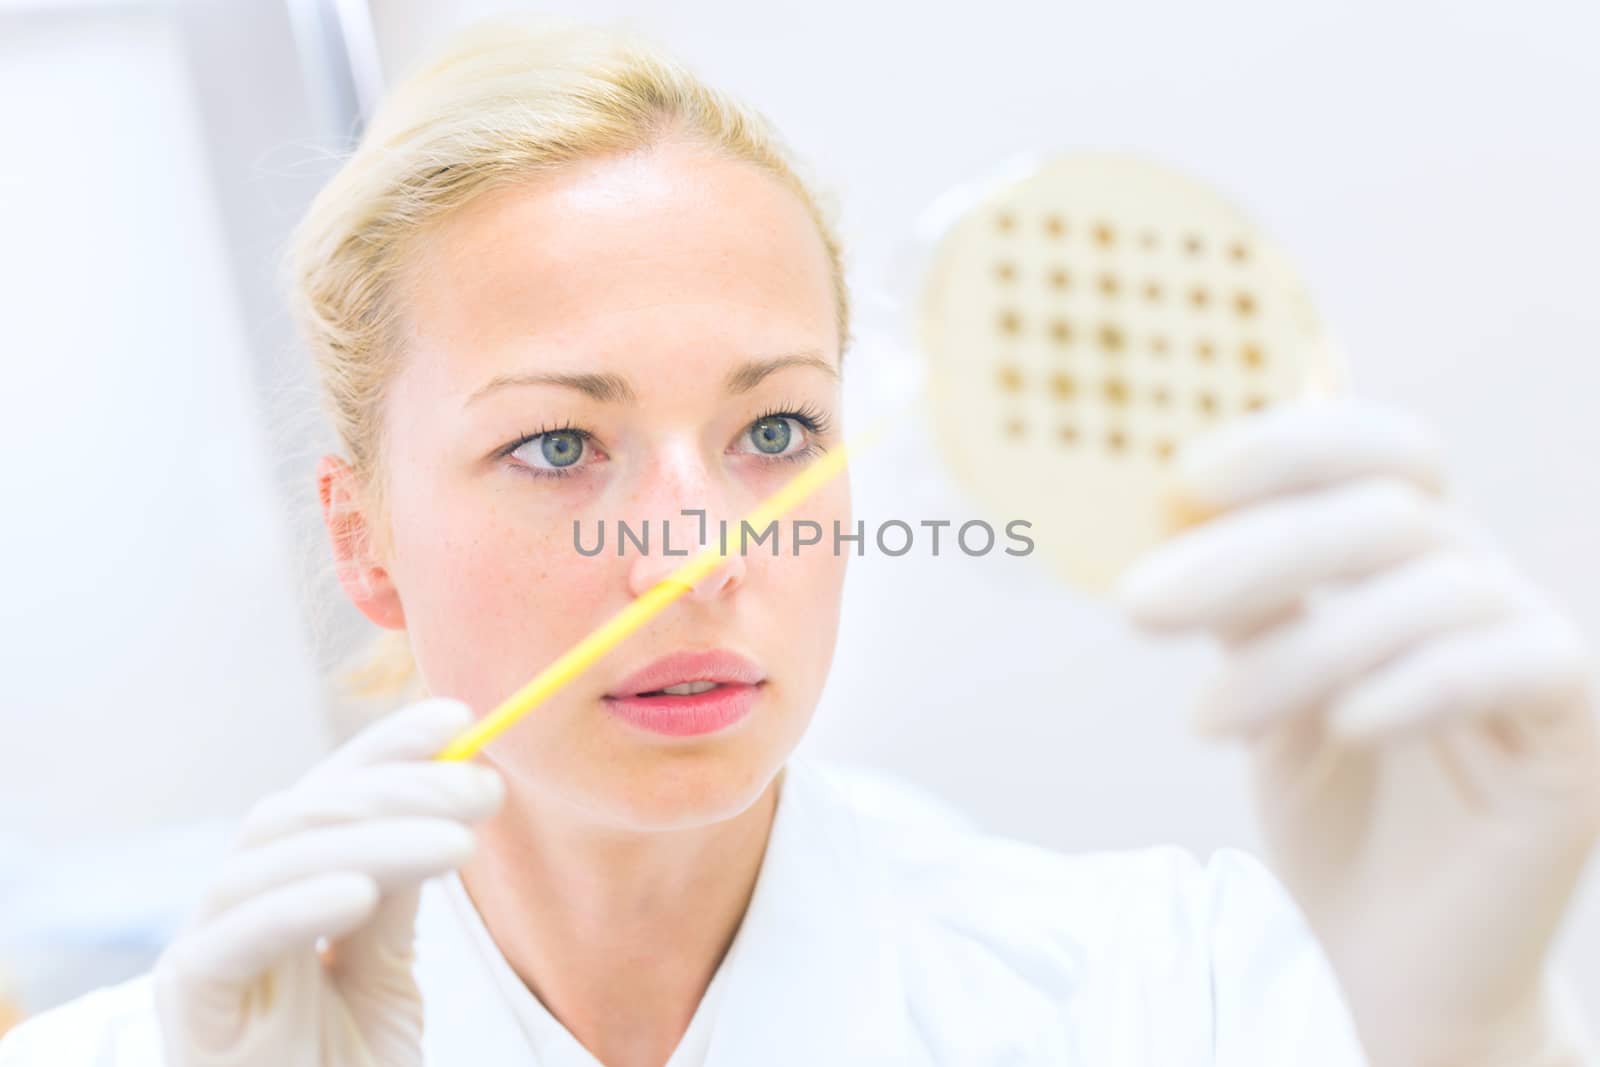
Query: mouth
[[690, 674], [685, 689], [688, 693]]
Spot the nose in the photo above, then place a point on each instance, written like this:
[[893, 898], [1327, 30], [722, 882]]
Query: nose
[[646, 571], [681, 485]]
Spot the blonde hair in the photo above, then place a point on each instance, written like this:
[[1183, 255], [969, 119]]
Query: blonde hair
[[506, 100]]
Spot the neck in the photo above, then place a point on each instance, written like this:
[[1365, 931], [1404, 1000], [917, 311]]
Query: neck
[[617, 932]]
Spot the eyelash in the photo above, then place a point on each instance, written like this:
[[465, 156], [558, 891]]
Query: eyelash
[[814, 420]]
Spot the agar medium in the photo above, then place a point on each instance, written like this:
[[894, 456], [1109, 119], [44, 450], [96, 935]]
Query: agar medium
[[1081, 316]]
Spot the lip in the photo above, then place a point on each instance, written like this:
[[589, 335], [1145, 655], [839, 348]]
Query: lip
[[739, 684], [716, 665]]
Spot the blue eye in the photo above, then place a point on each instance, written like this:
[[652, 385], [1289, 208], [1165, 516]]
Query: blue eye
[[771, 434], [562, 447], [558, 451]]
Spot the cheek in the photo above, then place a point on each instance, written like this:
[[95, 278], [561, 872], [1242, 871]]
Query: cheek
[[488, 594], [814, 624], [809, 586]]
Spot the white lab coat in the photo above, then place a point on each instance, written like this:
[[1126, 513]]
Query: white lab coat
[[884, 930]]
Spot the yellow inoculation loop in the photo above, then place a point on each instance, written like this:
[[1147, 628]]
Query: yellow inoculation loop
[[646, 606]]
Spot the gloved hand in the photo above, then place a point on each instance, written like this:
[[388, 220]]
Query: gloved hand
[[338, 856], [1420, 721]]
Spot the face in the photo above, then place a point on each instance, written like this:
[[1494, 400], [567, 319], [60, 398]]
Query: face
[[635, 337]]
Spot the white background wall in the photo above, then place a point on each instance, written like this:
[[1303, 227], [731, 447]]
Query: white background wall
[[1431, 166], [154, 664]]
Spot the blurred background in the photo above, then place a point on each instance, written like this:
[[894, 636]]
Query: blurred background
[[169, 622]]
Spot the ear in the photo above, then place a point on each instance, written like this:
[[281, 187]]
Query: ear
[[364, 581]]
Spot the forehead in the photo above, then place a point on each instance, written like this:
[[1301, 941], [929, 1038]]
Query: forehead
[[631, 260]]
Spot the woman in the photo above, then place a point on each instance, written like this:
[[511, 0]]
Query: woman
[[562, 283]]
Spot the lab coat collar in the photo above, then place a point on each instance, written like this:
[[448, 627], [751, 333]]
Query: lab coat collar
[[811, 978]]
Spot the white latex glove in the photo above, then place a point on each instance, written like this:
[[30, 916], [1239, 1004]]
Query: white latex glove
[[338, 856], [1420, 722]]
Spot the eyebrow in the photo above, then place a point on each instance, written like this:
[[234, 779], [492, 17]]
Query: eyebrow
[[614, 388]]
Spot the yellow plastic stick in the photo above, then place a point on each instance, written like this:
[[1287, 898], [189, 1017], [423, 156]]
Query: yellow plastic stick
[[645, 607]]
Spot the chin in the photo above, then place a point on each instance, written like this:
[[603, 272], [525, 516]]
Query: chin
[[676, 789], [632, 782]]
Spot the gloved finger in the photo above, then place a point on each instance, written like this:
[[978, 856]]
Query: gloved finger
[[415, 732], [1262, 560], [367, 962], [1307, 446], [1539, 765], [1525, 663], [372, 951], [236, 947], [392, 852], [466, 792], [1297, 666]]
